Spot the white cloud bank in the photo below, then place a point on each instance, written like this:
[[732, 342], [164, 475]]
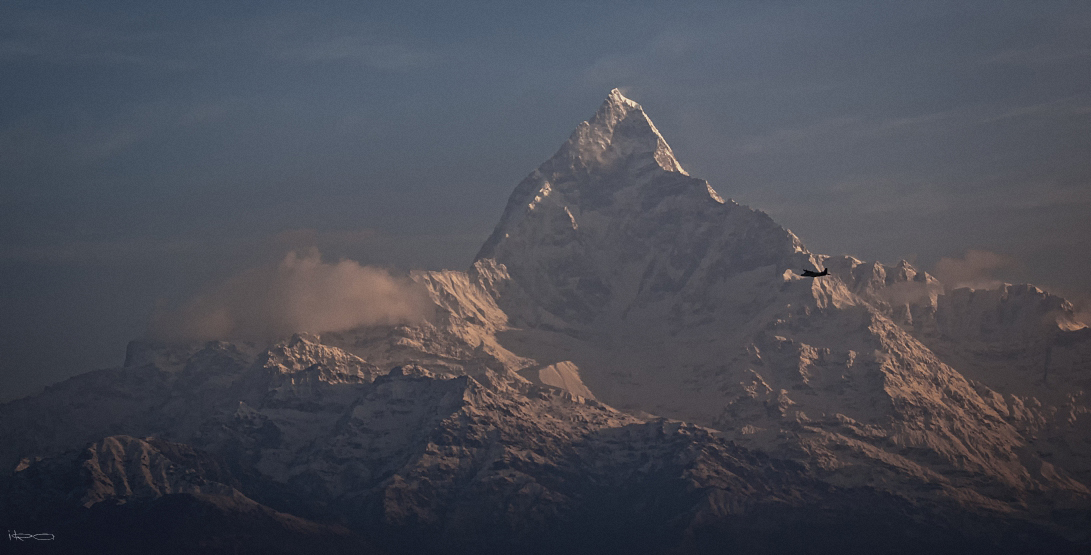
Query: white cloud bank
[[301, 293]]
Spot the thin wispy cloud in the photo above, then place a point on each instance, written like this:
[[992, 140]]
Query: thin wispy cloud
[[882, 195], [65, 251], [365, 49], [976, 269], [75, 136], [59, 37], [841, 132], [62, 37], [1041, 55], [1071, 106]]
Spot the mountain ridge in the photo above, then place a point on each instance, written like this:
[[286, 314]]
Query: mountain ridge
[[628, 338]]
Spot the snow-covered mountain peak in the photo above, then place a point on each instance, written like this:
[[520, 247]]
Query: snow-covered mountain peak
[[616, 165], [615, 293], [612, 223], [617, 98], [620, 134]]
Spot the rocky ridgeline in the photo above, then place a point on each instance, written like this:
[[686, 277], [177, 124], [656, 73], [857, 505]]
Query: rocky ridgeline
[[631, 365]]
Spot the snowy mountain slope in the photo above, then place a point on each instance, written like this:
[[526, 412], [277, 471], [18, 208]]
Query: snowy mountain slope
[[944, 421], [462, 328], [1011, 338], [673, 301], [127, 495], [122, 468], [146, 401], [300, 413], [1021, 347], [421, 463], [611, 224]]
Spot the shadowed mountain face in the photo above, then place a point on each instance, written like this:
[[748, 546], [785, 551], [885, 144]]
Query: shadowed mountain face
[[125, 495], [632, 365], [414, 463]]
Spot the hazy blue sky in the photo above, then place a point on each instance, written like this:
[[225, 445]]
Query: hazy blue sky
[[150, 148]]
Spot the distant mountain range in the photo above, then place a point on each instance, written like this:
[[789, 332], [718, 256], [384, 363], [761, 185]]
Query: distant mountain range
[[633, 364]]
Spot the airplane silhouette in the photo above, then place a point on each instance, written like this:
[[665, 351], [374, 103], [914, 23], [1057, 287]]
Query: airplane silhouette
[[809, 273]]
